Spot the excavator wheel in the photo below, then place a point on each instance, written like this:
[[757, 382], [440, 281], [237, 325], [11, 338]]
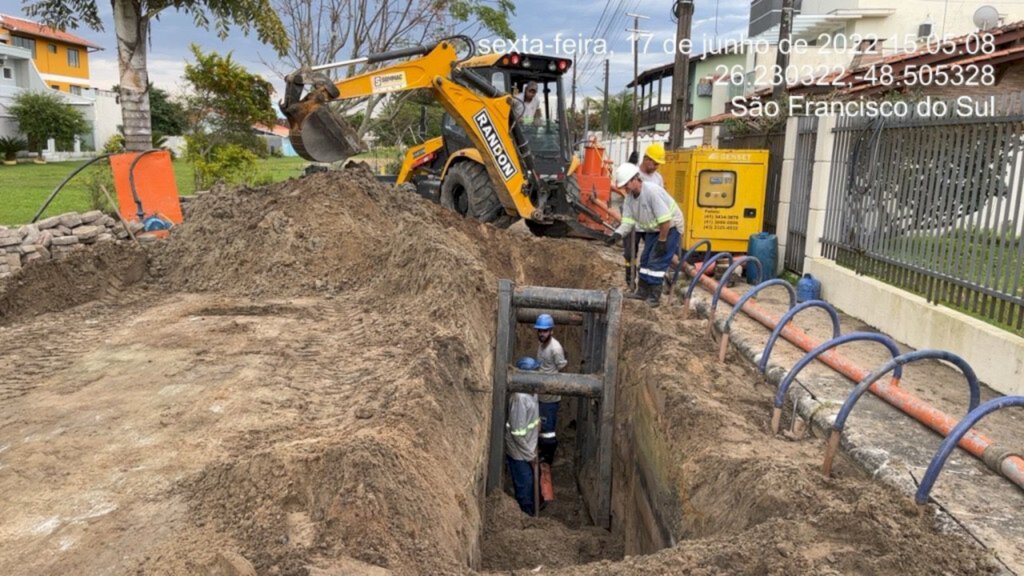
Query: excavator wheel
[[468, 190]]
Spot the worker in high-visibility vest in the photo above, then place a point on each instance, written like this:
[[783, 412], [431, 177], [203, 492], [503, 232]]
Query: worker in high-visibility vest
[[521, 431], [649, 209]]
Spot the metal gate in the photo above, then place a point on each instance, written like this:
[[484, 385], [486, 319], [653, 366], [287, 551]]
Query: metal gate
[[800, 199]]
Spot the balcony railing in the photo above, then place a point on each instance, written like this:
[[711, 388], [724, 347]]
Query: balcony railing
[[657, 114]]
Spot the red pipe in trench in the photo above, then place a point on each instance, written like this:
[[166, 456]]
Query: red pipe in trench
[[1011, 466]]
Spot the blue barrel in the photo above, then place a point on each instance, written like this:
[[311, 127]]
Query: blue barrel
[[808, 288], [764, 247]]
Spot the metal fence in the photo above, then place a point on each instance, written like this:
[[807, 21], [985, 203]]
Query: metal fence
[[775, 142], [933, 205], [800, 198]]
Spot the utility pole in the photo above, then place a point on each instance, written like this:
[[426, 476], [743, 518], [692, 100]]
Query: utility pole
[[636, 73], [572, 106], [604, 113], [683, 11], [785, 45]]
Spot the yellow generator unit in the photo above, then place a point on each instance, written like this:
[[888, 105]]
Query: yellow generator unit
[[721, 194]]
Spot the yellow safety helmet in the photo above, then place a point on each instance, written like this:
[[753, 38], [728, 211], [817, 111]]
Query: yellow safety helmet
[[656, 152]]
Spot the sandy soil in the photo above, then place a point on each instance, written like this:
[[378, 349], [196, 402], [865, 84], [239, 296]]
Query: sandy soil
[[301, 386]]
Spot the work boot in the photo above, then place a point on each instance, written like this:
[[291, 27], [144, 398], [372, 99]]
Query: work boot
[[641, 292], [653, 298]]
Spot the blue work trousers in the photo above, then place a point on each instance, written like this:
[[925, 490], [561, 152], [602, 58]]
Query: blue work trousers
[[652, 270], [522, 482]]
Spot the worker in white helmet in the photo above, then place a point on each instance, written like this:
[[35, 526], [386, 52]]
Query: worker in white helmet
[[654, 157], [649, 209]]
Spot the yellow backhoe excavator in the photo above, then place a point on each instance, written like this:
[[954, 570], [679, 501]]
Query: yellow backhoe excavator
[[485, 166]]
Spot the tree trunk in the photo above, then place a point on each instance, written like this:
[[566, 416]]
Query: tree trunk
[[132, 35]]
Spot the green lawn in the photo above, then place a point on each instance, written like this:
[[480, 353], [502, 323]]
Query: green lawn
[[24, 188]]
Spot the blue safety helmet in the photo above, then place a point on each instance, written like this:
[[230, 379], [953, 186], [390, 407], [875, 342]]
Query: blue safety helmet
[[527, 363], [544, 322]]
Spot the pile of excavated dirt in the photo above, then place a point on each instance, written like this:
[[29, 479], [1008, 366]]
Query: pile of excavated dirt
[[514, 540], [304, 388], [753, 503], [78, 277], [391, 482]]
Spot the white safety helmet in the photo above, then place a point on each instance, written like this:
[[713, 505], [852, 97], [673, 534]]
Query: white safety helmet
[[624, 173]]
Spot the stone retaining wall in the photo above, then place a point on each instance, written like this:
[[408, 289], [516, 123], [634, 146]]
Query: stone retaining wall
[[53, 238]]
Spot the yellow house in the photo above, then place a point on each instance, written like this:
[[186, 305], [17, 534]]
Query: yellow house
[[62, 59]]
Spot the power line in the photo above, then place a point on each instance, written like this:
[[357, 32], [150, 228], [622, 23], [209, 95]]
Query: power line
[[591, 58]]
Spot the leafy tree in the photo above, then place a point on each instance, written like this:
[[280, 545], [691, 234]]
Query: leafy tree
[[225, 100], [223, 103], [43, 115], [168, 115], [620, 112], [399, 121], [131, 25]]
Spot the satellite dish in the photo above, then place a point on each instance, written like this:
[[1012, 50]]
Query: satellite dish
[[986, 17]]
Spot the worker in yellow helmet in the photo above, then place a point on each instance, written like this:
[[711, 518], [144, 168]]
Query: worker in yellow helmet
[[654, 157]]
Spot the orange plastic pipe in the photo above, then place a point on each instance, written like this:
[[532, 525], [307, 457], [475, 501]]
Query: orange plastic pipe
[[1012, 467]]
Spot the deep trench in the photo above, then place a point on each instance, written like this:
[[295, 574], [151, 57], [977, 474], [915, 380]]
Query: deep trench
[[564, 533]]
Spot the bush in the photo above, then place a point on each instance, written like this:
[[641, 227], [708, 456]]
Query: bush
[[228, 163], [43, 115], [11, 145], [97, 177], [114, 145]]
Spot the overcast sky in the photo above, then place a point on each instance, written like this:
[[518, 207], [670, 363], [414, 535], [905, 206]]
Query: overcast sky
[[538, 21]]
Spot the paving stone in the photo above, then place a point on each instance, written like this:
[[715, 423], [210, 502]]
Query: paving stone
[[9, 240], [28, 248], [70, 220], [105, 237], [31, 238], [107, 221], [13, 261], [28, 229], [87, 233], [64, 230], [65, 240], [50, 222], [43, 252], [91, 216], [45, 238], [33, 257]]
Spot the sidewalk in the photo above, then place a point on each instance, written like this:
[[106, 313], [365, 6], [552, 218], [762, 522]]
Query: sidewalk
[[884, 441]]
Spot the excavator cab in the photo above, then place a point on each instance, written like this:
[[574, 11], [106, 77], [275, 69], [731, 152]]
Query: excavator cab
[[429, 165]]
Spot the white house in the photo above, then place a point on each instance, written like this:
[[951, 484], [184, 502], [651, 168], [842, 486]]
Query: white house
[[24, 45]]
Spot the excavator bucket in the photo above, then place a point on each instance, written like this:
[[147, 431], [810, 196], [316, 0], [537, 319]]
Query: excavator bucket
[[322, 135]]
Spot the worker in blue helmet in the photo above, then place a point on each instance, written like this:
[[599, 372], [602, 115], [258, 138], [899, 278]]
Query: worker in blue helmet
[[521, 431], [552, 360]]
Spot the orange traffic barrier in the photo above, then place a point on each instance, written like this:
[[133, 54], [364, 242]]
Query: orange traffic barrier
[[1012, 466]]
